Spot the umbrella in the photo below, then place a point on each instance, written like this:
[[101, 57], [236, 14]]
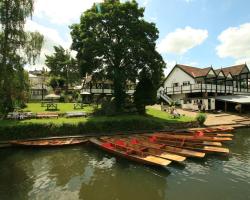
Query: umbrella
[[52, 96], [84, 92]]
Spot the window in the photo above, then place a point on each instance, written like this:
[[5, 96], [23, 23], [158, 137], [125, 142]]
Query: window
[[185, 83], [175, 84]]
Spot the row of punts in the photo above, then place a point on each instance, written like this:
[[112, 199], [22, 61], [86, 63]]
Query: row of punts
[[158, 148]]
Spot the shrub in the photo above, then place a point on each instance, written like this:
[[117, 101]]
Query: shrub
[[201, 118]]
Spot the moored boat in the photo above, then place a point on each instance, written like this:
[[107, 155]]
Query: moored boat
[[191, 137], [129, 153], [48, 142], [171, 149], [134, 143]]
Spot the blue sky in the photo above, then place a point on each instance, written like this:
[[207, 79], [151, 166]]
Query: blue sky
[[193, 32]]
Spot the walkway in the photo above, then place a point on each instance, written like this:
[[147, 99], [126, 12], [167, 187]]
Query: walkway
[[217, 119]]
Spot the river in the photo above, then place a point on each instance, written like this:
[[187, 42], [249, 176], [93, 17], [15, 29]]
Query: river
[[84, 172]]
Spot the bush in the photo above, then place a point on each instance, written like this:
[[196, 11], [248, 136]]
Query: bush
[[201, 118]]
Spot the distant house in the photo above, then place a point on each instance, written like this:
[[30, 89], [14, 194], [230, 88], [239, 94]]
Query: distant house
[[186, 82], [102, 86], [38, 88]]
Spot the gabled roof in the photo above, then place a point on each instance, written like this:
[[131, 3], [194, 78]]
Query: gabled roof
[[194, 71], [218, 71], [234, 70]]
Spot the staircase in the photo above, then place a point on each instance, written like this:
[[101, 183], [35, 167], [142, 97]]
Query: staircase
[[166, 98]]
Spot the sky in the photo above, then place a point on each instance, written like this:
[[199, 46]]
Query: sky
[[199, 33]]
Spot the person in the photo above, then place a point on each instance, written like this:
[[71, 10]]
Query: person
[[176, 114], [238, 107], [199, 105]]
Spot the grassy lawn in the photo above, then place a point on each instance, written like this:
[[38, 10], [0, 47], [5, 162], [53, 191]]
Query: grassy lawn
[[166, 117], [152, 113], [62, 108]]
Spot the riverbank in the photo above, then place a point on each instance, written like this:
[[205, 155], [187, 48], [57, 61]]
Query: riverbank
[[92, 125]]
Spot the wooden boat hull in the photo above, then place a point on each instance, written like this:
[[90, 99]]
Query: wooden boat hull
[[192, 138], [206, 149], [195, 132], [148, 160], [171, 149], [48, 143]]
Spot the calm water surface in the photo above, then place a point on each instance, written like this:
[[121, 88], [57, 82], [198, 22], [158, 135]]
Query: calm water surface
[[90, 174]]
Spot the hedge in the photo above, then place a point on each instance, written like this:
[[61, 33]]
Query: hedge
[[91, 127]]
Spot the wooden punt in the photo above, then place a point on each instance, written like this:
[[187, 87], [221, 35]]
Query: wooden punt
[[215, 129], [130, 153], [48, 142], [198, 143], [206, 149], [171, 149], [191, 138], [196, 133], [134, 142]]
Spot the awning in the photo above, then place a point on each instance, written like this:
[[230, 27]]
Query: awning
[[242, 99]]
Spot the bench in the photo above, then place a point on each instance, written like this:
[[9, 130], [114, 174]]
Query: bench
[[47, 115], [76, 114]]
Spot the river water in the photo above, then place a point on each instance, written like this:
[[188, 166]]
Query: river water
[[88, 173]]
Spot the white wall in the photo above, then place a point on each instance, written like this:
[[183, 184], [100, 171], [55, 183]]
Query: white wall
[[178, 76]]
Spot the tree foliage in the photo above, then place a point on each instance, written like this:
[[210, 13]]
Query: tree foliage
[[114, 40], [145, 93], [16, 49], [61, 64]]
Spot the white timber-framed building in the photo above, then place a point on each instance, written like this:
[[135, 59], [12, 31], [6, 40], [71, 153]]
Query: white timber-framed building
[[190, 85]]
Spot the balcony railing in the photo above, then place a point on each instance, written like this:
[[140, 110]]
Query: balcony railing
[[197, 88], [104, 91]]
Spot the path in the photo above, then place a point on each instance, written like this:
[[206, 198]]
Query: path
[[217, 119]]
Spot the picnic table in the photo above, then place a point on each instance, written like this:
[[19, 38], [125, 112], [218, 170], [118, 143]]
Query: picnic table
[[51, 106], [78, 106], [44, 103]]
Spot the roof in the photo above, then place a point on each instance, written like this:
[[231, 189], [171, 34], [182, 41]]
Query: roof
[[243, 99], [234, 70], [195, 71]]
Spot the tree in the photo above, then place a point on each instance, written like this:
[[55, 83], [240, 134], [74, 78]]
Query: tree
[[145, 93], [61, 64], [16, 49], [114, 40]]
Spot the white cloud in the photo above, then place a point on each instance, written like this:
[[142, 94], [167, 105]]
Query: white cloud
[[181, 40], [50, 33], [234, 43], [62, 11], [51, 38]]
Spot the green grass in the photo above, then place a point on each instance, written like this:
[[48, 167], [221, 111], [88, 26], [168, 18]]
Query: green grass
[[166, 117], [152, 113], [62, 108]]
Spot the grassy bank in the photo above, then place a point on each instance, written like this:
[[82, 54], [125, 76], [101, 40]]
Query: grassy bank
[[34, 128]]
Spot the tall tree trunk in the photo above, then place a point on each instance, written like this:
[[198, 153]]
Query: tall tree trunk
[[119, 90]]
